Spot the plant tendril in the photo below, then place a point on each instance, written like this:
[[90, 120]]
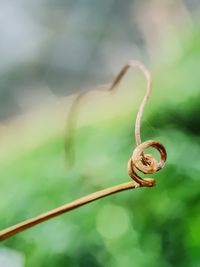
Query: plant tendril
[[139, 160]]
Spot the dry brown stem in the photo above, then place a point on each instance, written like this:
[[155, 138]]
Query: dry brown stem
[[72, 115], [139, 160], [65, 208]]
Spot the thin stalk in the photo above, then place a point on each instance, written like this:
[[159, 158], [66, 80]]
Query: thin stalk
[[13, 230]]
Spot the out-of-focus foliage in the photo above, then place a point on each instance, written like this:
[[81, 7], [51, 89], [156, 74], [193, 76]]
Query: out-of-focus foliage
[[145, 227]]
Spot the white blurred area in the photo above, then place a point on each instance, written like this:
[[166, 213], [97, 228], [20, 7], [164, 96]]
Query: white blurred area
[[11, 258], [20, 35], [54, 48]]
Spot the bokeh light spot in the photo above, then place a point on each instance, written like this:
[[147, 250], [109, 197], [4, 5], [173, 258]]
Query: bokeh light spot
[[112, 221]]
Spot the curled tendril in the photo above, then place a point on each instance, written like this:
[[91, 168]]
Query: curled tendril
[[139, 160], [146, 163]]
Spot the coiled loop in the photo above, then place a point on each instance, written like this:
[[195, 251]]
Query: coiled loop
[[146, 163]]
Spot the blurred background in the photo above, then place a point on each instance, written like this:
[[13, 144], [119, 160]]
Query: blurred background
[[50, 51]]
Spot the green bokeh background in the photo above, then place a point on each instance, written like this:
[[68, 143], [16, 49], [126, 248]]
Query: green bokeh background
[[146, 227]]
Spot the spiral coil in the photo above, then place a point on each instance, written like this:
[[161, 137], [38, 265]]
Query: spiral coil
[[146, 163]]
